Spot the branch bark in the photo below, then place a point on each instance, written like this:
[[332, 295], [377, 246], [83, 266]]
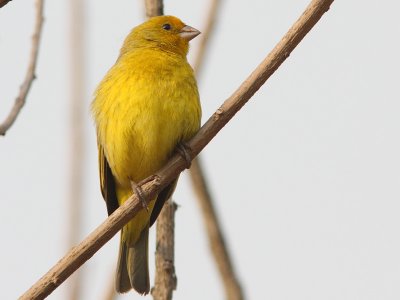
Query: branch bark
[[165, 281], [154, 8], [103, 233], [30, 74], [77, 140]]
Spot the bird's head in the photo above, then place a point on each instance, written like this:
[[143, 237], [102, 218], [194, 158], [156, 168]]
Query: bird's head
[[167, 33]]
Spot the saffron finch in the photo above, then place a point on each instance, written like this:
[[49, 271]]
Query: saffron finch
[[146, 105]]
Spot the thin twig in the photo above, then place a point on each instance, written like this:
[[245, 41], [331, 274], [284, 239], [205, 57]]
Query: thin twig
[[165, 281], [219, 249], [206, 35], [103, 233], [233, 290], [30, 74], [77, 140], [3, 2], [154, 8]]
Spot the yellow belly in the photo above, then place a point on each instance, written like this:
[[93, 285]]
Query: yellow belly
[[141, 116]]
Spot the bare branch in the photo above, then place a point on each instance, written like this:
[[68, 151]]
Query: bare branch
[[233, 290], [154, 8], [165, 282], [94, 241], [206, 35], [77, 32], [30, 74]]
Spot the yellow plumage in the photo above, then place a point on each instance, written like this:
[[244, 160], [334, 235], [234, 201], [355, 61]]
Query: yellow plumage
[[146, 104]]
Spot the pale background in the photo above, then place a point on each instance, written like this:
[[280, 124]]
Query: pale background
[[306, 177]]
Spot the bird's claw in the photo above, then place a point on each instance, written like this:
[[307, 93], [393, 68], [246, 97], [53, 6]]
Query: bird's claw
[[137, 189], [185, 151]]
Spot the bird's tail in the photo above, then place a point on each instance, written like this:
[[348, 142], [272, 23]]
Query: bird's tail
[[132, 268]]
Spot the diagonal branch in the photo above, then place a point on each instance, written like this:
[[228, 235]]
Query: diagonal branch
[[30, 74], [103, 233], [206, 35], [219, 249]]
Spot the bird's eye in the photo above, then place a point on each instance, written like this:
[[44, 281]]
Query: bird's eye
[[166, 26]]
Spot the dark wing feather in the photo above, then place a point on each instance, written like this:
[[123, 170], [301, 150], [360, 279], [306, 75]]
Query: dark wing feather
[[107, 183], [163, 196]]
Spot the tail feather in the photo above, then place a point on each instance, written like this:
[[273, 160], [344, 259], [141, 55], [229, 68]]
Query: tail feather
[[137, 263], [122, 282], [133, 269]]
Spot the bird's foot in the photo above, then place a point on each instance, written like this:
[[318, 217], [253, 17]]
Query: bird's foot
[[137, 189], [185, 151]]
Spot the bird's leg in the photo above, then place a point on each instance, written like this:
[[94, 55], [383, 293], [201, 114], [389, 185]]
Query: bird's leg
[[137, 189], [185, 151]]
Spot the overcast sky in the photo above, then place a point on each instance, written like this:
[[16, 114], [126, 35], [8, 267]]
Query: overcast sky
[[306, 177]]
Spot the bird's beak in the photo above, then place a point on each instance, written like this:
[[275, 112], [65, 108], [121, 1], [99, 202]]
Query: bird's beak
[[189, 33]]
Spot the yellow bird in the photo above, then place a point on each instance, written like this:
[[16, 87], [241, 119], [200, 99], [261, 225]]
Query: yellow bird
[[146, 105]]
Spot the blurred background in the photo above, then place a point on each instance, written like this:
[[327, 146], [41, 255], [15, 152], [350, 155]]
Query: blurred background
[[305, 177]]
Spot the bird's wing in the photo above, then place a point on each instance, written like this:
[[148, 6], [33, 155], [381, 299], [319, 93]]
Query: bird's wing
[[107, 183], [163, 196]]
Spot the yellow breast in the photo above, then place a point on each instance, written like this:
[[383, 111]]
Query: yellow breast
[[145, 105]]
